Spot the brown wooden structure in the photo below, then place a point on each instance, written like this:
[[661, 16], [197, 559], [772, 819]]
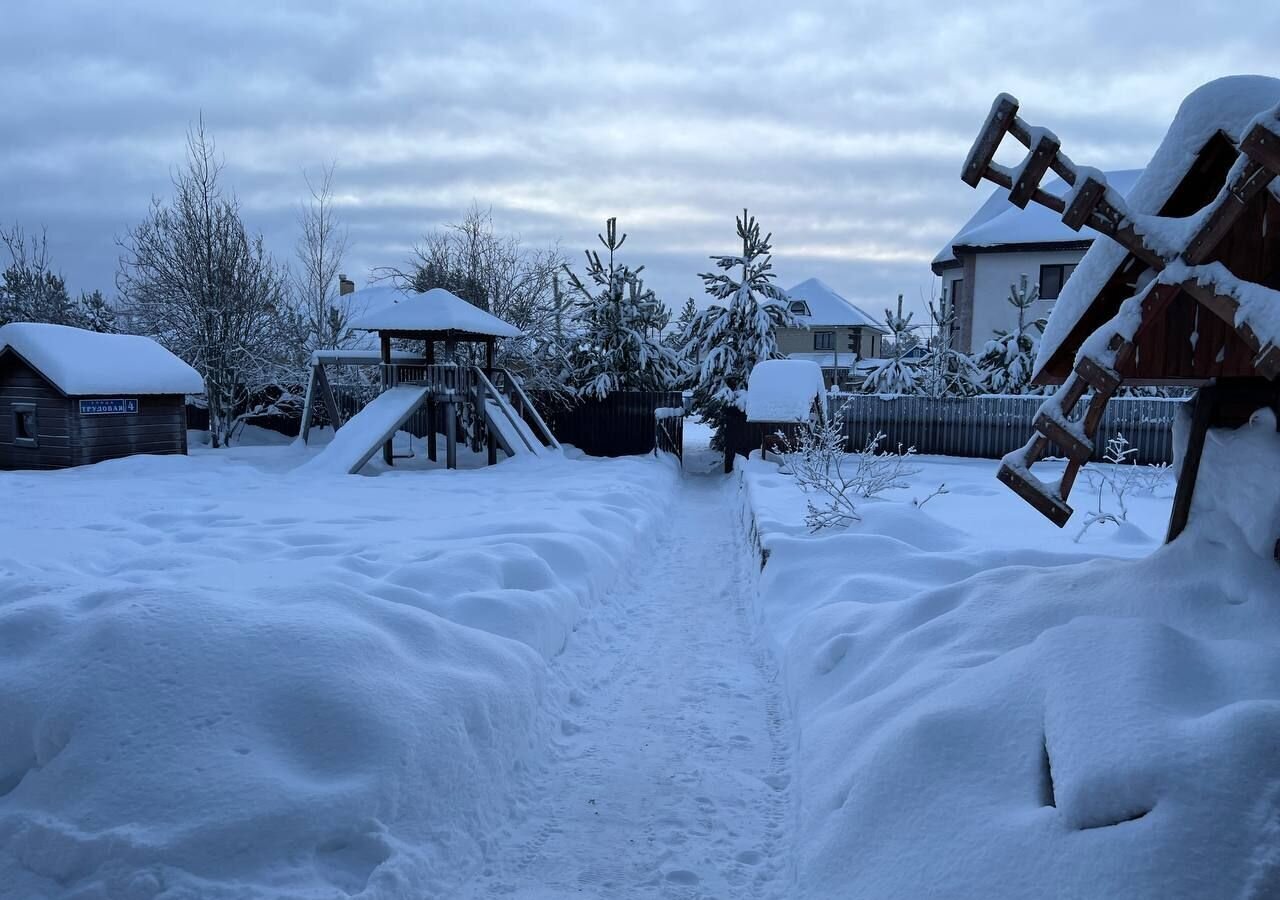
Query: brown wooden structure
[[1171, 311], [76, 408]]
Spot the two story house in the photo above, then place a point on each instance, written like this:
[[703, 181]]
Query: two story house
[[838, 334], [996, 247]]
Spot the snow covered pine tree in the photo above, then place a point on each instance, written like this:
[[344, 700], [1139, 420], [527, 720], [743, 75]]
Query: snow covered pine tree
[[730, 338], [620, 347], [896, 374], [1009, 358]]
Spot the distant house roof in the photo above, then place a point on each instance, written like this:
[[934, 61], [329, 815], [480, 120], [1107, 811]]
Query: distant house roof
[[86, 363], [391, 309], [998, 223], [825, 307]]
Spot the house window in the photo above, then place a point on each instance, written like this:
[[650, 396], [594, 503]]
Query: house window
[[799, 308], [855, 340], [1052, 278], [25, 430], [957, 288], [824, 340]]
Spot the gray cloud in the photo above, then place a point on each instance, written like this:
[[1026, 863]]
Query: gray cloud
[[841, 126]]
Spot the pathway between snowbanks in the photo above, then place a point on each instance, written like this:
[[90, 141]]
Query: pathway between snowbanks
[[670, 772], [221, 683]]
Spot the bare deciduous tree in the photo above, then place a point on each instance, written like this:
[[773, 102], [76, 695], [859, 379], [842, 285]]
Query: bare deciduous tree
[[320, 248], [194, 278]]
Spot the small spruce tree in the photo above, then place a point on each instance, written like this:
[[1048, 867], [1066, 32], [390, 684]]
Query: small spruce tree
[[896, 374], [1009, 358], [946, 371], [620, 345], [738, 330]]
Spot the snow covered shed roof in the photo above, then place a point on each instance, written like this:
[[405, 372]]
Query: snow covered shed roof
[[998, 223], [83, 363], [1226, 106], [391, 309], [783, 390], [826, 307]]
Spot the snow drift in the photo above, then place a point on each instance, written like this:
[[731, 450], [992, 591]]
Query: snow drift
[[215, 682], [983, 722]]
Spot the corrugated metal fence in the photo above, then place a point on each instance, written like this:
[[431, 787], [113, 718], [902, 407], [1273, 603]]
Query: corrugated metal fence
[[991, 426], [621, 424]]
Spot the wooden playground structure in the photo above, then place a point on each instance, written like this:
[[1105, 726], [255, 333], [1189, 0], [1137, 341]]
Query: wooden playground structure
[[497, 412]]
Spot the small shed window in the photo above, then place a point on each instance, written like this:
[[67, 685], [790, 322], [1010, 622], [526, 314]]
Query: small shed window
[[799, 308], [824, 340], [25, 429]]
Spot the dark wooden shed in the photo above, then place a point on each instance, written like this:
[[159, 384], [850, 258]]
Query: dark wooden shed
[[70, 397]]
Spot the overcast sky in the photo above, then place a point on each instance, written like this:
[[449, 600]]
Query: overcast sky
[[842, 126]]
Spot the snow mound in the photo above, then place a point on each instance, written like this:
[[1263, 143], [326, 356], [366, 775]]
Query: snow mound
[[783, 390], [1021, 723], [86, 363], [215, 683]]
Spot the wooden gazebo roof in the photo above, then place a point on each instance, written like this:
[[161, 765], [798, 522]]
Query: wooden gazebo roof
[[433, 315]]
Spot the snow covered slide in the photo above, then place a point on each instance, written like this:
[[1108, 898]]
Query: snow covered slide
[[355, 442], [216, 682], [513, 433]]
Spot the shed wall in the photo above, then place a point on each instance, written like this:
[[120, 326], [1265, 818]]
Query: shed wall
[[19, 384]]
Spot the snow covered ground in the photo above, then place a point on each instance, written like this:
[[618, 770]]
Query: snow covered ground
[[986, 708], [220, 677]]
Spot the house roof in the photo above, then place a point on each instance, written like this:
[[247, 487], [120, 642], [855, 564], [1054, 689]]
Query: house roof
[[391, 309], [826, 307], [998, 223], [1226, 105], [86, 363]]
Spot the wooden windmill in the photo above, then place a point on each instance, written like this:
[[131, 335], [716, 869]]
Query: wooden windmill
[[1207, 243]]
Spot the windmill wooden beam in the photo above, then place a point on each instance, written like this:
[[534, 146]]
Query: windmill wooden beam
[[1089, 203]]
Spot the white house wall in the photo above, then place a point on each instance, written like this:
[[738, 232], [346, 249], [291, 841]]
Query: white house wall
[[993, 273]]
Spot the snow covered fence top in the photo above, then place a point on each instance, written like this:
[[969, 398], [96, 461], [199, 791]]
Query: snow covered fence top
[[783, 390], [1228, 105], [86, 363], [391, 309]]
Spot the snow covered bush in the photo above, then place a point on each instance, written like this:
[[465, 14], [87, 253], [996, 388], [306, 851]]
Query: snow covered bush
[[619, 346], [834, 479], [1121, 477], [738, 330]]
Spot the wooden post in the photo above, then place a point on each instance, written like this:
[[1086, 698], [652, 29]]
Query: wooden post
[[492, 439], [450, 434], [1201, 415], [387, 380], [433, 408]]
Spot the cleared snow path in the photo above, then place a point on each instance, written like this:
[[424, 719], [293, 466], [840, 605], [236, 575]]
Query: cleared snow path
[[670, 771]]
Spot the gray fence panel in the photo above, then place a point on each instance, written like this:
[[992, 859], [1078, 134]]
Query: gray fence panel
[[991, 426]]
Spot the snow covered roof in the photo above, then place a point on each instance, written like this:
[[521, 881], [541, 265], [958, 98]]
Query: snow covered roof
[[999, 223], [391, 309], [826, 307], [783, 390], [1227, 105], [824, 358], [86, 363]]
